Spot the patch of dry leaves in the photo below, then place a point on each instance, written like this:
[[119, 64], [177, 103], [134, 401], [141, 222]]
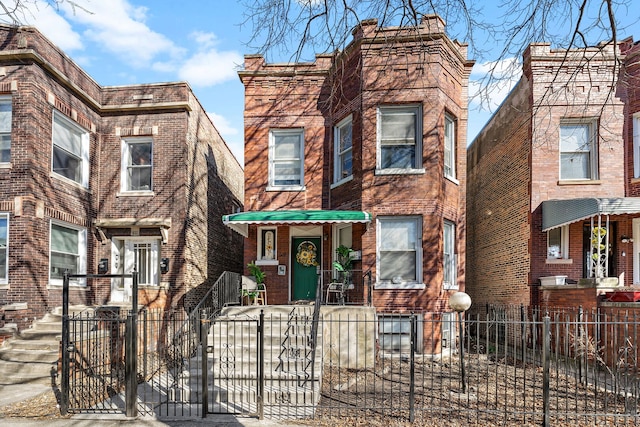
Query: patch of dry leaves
[[41, 407]]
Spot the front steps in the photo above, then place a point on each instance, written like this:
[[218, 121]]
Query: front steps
[[32, 355], [292, 373]]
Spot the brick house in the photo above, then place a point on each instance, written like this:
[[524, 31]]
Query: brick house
[[364, 148], [117, 176], [553, 213]]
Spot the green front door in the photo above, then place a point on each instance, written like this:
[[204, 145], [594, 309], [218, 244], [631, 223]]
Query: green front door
[[306, 255]]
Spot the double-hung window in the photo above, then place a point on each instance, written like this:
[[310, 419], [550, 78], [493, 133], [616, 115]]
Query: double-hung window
[[449, 255], [4, 248], [5, 129], [399, 138], [558, 243], [68, 252], [449, 147], [578, 150], [137, 164], [399, 242], [70, 157], [286, 159], [343, 150]]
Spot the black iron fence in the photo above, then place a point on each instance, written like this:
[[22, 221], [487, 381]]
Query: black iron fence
[[520, 365]]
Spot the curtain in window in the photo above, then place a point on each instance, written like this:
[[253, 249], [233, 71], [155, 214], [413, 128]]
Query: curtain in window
[[398, 246], [64, 251]]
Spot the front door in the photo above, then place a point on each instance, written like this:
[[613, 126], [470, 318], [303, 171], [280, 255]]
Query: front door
[[139, 254], [306, 257]]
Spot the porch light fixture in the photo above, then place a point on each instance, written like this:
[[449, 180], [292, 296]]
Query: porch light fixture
[[626, 239], [460, 302]]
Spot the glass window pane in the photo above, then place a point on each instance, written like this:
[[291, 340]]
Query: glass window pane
[[3, 232], [398, 265], [67, 165], [139, 178], [575, 166], [5, 148], [398, 126], [346, 164], [61, 262], [398, 235], [64, 239], [287, 146], [5, 116], [554, 243], [67, 136], [574, 137], [345, 136], [140, 154], [398, 156]]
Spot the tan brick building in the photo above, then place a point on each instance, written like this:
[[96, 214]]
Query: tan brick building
[[125, 176], [366, 149], [552, 189]]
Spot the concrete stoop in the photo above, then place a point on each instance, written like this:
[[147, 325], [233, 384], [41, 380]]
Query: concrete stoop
[[30, 355], [291, 378]]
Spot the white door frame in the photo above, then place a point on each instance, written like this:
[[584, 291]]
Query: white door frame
[[123, 263]]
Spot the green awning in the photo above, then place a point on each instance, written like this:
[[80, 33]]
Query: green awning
[[556, 213], [240, 221]]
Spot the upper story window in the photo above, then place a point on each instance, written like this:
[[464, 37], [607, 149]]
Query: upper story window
[[558, 243], [449, 255], [70, 157], [137, 164], [399, 247], [449, 147], [286, 159], [5, 129], [399, 138], [343, 150], [68, 252], [636, 146], [578, 150], [4, 248]]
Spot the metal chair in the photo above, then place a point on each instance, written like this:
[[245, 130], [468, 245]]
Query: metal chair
[[337, 289]]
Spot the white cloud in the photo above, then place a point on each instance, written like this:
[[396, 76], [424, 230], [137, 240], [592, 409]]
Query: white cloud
[[491, 82], [120, 28], [222, 124], [232, 136], [209, 66]]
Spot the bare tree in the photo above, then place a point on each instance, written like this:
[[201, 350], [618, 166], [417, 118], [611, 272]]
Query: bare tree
[[17, 12], [298, 28]]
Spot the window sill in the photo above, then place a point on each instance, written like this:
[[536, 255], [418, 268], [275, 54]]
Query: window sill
[[292, 188], [74, 286], [266, 262], [135, 194], [450, 288], [400, 171], [406, 286], [342, 181], [635, 180], [5, 165], [452, 179], [4, 286], [68, 181], [559, 261], [579, 182]]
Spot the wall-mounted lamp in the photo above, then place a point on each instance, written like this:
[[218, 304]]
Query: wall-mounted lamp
[[626, 239], [164, 265], [103, 266]]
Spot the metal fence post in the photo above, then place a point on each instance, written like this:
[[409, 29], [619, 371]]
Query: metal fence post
[[130, 373], [204, 340], [261, 366], [546, 355], [412, 368], [64, 381]]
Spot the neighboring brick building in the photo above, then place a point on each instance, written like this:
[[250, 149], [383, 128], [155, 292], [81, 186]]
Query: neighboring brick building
[[132, 175], [551, 188], [364, 148]]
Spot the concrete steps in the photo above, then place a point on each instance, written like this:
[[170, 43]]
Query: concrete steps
[[30, 355]]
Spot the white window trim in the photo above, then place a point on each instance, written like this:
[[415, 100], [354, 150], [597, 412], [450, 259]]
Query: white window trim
[[454, 267], [379, 284], [8, 99], [593, 132], [337, 163], [564, 246], [449, 119], [636, 145], [5, 280], [82, 254], [124, 165], [271, 186], [260, 255], [417, 169], [84, 135]]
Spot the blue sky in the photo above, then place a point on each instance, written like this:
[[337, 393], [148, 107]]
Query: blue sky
[[202, 42]]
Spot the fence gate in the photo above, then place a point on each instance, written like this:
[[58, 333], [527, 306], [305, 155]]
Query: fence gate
[[235, 371]]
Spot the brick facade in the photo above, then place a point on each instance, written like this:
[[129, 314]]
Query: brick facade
[[380, 67], [514, 166], [195, 180]]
